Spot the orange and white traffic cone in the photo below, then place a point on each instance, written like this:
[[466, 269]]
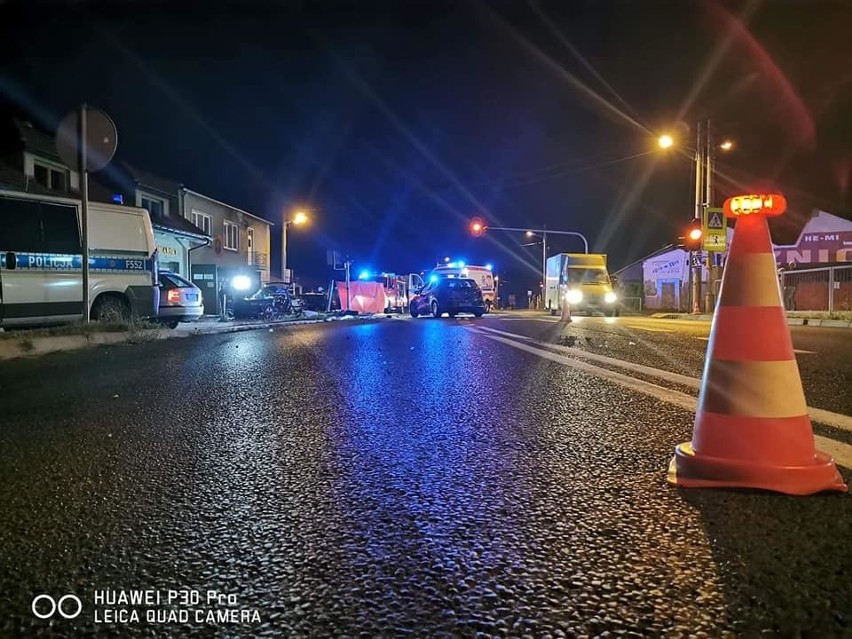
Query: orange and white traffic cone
[[752, 428], [566, 312]]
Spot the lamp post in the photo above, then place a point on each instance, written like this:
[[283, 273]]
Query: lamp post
[[299, 217], [530, 234]]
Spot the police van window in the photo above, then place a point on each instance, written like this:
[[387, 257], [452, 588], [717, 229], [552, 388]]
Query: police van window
[[61, 233], [20, 226]]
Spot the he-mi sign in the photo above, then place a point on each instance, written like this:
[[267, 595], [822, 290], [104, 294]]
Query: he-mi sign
[[715, 233]]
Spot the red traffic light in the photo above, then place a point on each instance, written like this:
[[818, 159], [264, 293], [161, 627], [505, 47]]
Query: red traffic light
[[692, 240], [477, 227], [767, 204]]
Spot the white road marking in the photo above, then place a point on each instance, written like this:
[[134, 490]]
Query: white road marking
[[653, 330], [836, 420], [842, 453], [795, 350]]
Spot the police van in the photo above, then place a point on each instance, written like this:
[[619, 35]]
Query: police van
[[41, 279]]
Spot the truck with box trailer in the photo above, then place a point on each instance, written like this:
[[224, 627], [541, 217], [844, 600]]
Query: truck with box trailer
[[582, 281]]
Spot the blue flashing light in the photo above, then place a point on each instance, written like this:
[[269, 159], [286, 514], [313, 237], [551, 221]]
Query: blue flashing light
[[117, 198], [461, 264], [489, 267], [363, 275], [433, 278]]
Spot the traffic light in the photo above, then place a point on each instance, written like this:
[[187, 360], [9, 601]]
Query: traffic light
[[694, 236], [477, 227]]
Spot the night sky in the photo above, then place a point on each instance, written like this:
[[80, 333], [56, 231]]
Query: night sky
[[399, 121]]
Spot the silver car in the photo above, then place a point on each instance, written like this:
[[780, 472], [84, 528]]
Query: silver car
[[180, 300]]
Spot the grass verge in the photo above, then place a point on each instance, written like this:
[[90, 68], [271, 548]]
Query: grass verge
[[79, 328]]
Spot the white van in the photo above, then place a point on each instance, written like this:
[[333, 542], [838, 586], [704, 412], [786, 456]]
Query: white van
[[41, 279]]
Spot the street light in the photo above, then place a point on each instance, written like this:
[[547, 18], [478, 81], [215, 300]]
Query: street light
[[530, 234], [299, 217], [665, 141]]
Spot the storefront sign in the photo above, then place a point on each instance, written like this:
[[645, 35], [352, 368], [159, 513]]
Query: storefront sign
[[817, 248], [167, 251]]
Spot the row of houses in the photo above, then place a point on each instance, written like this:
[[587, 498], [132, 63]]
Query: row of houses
[[198, 236]]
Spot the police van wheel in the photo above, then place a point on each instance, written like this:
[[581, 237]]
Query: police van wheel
[[434, 309], [110, 308]]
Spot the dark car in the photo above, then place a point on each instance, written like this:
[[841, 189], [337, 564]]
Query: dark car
[[449, 295], [180, 300], [272, 301]]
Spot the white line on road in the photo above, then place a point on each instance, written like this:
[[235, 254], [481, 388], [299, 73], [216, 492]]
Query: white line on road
[[795, 350], [836, 420], [842, 453]]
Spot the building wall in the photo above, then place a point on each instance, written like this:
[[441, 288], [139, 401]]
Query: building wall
[[226, 259], [173, 254]]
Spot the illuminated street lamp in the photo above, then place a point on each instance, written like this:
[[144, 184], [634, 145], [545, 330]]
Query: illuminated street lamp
[[299, 217], [727, 145], [665, 141]]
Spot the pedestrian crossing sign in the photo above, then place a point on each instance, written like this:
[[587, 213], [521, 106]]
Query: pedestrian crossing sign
[[715, 230]]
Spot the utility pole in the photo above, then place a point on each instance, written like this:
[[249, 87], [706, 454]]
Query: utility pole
[[284, 250], [709, 298], [84, 207], [347, 264], [543, 264], [695, 259]]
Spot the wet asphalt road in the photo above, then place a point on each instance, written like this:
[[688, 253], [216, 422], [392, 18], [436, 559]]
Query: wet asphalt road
[[387, 479]]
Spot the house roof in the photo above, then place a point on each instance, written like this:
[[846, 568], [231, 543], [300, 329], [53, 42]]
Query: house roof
[[35, 140], [179, 225], [152, 182]]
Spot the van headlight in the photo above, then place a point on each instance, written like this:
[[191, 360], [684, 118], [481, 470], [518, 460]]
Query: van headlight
[[610, 298], [574, 297]]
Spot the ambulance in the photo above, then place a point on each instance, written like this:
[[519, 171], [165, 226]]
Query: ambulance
[[482, 275]]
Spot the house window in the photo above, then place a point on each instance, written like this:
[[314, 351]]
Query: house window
[[42, 175], [50, 178], [250, 240], [154, 207], [57, 180], [231, 241], [202, 221]]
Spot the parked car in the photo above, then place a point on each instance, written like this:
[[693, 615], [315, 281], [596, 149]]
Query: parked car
[[180, 300], [272, 301], [449, 295]]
